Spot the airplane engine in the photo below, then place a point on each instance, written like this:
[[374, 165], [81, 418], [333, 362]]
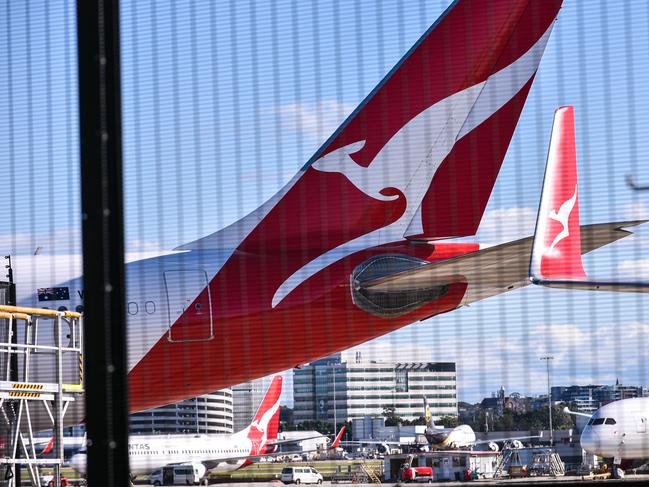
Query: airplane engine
[[493, 446], [383, 448], [387, 303], [515, 444]]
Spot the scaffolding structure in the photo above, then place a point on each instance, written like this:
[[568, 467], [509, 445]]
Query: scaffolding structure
[[41, 374]]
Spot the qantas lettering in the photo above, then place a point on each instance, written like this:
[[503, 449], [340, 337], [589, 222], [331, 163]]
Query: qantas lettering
[[139, 446]]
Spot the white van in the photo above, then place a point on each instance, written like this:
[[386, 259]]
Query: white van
[[187, 474], [301, 475]]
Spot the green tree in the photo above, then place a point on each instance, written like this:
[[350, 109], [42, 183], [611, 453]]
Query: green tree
[[447, 421], [391, 418]]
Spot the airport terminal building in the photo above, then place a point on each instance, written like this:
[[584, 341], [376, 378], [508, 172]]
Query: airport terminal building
[[332, 389], [209, 413], [246, 400]]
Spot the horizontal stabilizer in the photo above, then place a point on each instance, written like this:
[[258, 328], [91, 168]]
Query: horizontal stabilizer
[[494, 270]]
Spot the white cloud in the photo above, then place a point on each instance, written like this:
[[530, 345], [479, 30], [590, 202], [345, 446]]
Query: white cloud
[[634, 270], [65, 240], [636, 211], [506, 224], [315, 120], [489, 358]]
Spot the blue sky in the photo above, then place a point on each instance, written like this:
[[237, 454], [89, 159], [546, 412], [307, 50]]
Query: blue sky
[[224, 101]]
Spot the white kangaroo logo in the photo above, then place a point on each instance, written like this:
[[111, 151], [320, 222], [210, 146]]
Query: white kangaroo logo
[[562, 217], [409, 160]]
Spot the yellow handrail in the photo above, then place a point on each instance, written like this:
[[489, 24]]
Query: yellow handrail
[[39, 311]]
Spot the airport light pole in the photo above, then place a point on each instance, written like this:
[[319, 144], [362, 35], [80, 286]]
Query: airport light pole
[[333, 369], [547, 359]]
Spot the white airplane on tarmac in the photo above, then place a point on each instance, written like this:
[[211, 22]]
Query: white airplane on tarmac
[[216, 453], [442, 438], [618, 430]]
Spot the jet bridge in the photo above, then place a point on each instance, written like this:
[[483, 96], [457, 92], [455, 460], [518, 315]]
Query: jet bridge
[[41, 375]]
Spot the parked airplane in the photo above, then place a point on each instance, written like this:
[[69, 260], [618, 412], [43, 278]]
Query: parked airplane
[[618, 430], [443, 438], [461, 436], [352, 247], [217, 453]]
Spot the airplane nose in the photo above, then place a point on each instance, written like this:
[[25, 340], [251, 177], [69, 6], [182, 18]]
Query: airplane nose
[[78, 463], [590, 441]]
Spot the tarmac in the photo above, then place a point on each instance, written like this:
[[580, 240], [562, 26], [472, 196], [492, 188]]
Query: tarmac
[[566, 480]]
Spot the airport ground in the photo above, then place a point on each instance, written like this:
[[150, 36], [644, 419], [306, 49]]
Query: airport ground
[[263, 477], [567, 480]]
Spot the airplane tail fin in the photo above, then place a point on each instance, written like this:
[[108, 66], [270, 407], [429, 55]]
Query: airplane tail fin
[[557, 248], [48, 448], [336, 441], [265, 423], [430, 423], [557, 241], [422, 151]]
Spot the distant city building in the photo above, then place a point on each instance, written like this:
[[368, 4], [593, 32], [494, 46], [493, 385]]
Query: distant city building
[[500, 402], [246, 399], [368, 388], [210, 413], [588, 399]]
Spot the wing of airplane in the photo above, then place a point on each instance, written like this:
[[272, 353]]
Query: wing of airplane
[[491, 271], [284, 442], [511, 438]]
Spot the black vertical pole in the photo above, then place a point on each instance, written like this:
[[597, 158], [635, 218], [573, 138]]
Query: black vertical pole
[[103, 242], [13, 359]]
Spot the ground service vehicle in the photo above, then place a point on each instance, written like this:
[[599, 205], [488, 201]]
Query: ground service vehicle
[[301, 475], [416, 474], [185, 474]]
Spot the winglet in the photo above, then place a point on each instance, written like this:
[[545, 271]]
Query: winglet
[[556, 252], [336, 442]]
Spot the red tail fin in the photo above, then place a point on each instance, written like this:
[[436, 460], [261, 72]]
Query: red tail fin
[[48, 447], [557, 243], [265, 424], [421, 153], [336, 441]]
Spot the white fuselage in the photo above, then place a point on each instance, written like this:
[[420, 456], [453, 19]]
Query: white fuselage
[[461, 436], [149, 453], [619, 430]]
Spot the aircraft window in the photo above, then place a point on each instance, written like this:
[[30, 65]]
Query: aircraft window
[[609, 421], [590, 421], [598, 421], [132, 308]]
